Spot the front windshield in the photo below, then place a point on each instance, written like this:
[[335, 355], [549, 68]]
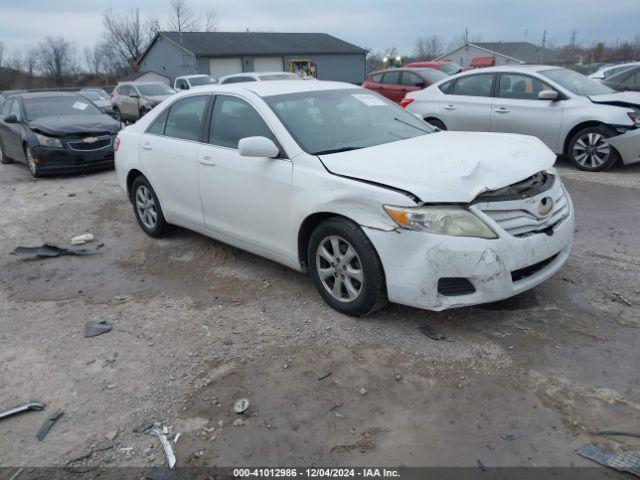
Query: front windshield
[[331, 121], [153, 89], [450, 68], [576, 82], [58, 106], [197, 81]]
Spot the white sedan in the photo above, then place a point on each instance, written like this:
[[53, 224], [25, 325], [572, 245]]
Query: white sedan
[[332, 179], [595, 126]]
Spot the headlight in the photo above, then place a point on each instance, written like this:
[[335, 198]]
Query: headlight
[[441, 220], [48, 141], [634, 116]]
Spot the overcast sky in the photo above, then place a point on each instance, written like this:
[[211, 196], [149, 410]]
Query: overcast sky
[[373, 24]]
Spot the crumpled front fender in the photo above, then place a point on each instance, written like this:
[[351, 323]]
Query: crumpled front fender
[[627, 145]]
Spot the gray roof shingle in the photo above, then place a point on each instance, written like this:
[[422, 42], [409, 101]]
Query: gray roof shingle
[[213, 44], [525, 51]]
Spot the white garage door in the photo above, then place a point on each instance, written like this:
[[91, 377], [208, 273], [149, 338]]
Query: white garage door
[[267, 64], [219, 67]]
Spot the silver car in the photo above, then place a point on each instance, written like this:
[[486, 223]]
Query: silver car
[[592, 124], [131, 100]]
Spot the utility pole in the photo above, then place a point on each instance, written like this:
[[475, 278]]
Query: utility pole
[[526, 34], [544, 43]]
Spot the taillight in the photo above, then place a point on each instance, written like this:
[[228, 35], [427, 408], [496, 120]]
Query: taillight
[[116, 144], [405, 102]]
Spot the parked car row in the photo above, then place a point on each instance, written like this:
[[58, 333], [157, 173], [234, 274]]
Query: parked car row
[[573, 115]]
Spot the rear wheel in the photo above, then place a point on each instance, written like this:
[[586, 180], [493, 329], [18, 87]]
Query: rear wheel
[[147, 209], [588, 151], [345, 268], [436, 123], [3, 158]]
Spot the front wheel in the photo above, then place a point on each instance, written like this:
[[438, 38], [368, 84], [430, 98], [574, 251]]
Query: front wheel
[[345, 268], [33, 168], [146, 207], [588, 151]]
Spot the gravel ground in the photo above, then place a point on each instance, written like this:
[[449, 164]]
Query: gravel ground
[[198, 325]]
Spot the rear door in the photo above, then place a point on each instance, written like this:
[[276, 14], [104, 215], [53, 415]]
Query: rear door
[[411, 82], [374, 82], [468, 105], [516, 109], [392, 87], [169, 153]]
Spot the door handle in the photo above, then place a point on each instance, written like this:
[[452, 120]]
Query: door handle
[[449, 107], [147, 146], [501, 110], [207, 160]]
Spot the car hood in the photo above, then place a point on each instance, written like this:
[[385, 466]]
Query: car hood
[[74, 124], [619, 98], [446, 166]]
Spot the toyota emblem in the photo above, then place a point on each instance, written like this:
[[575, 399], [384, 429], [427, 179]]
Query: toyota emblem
[[545, 206]]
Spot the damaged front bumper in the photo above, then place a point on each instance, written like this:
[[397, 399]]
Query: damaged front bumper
[[628, 146], [438, 272]]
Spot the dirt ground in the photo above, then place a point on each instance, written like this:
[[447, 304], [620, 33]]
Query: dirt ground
[[198, 325]]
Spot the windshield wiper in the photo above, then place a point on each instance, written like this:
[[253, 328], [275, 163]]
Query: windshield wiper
[[411, 125], [336, 150]]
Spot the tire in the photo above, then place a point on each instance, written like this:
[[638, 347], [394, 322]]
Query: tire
[[3, 158], [588, 152], [33, 168], [117, 115], [352, 297], [436, 123], [147, 209]]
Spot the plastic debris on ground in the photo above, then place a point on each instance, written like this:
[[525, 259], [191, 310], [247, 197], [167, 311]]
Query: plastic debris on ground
[[82, 239], [622, 461], [47, 251], [25, 407], [324, 375], [241, 405], [46, 426], [431, 332], [162, 435], [93, 329]]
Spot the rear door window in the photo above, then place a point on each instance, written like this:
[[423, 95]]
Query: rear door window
[[376, 77], [410, 79], [234, 119], [474, 85], [157, 127], [391, 78], [445, 87], [185, 118]]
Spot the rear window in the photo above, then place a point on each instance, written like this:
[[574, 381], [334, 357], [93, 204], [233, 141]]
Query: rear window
[[238, 80], [474, 85], [376, 77], [280, 76]]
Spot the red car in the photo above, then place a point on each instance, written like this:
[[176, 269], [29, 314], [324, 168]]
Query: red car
[[395, 83], [450, 68]]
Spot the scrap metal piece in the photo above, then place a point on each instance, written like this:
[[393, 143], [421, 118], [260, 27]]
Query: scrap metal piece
[[146, 425], [93, 329], [46, 426], [168, 451], [622, 461], [33, 405], [46, 251], [324, 375]]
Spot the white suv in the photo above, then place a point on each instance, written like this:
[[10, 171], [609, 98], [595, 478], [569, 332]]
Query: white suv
[[573, 115]]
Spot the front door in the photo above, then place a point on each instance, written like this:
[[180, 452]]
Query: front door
[[516, 109], [468, 106], [169, 153], [245, 198]]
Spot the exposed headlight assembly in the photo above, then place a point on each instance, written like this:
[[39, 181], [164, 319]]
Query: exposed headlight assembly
[[441, 220], [634, 116], [48, 141]]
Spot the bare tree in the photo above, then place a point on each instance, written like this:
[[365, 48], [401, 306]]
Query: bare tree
[[31, 60], [93, 59], [182, 18], [211, 21], [1, 53], [56, 58], [126, 34], [428, 48]]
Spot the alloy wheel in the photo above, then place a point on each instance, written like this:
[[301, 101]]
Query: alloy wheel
[[339, 268], [32, 165], [146, 207], [591, 151]]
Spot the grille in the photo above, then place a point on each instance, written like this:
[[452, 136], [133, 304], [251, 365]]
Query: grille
[[453, 286], [525, 272], [523, 218], [84, 146]]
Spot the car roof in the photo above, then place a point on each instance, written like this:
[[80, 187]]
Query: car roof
[[40, 95], [276, 87], [509, 68]]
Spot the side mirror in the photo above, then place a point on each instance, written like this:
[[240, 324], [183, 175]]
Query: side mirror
[[548, 95], [260, 147], [11, 119], [134, 95]]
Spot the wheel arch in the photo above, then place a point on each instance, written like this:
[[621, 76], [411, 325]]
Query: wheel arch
[[576, 129], [433, 117], [131, 176]]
